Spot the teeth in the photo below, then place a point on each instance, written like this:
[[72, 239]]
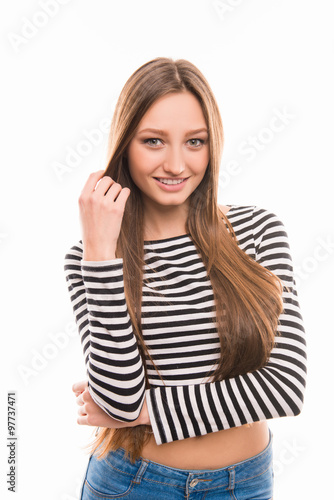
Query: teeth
[[170, 181]]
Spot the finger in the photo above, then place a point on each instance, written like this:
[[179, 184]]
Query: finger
[[122, 196], [103, 185], [80, 400], [82, 420], [76, 389], [79, 387], [82, 411], [86, 397], [113, 191], [91, 182]]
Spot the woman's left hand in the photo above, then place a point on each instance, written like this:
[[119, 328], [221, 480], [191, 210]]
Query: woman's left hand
[[90, 413]]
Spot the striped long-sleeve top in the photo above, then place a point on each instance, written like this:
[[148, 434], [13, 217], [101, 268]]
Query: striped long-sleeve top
[[179, 329]]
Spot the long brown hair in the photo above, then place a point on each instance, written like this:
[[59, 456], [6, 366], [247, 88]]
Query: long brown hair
[[248, 297]]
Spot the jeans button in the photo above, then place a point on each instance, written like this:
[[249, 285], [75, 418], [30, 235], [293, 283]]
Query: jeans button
[[193, 483]]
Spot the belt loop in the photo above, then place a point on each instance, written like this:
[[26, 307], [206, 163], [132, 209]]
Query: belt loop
[[231, 482], [140, 472]]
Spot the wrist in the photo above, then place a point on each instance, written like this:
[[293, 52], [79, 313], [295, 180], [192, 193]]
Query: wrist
[[97, 255]]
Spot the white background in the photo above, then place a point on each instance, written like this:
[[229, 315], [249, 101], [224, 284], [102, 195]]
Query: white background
[[63, 67]]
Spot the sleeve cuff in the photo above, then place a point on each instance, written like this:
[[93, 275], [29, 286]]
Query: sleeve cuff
[[101, 263], [155, 420]]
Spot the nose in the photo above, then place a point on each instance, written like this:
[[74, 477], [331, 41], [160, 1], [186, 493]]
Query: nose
[[174, 163]]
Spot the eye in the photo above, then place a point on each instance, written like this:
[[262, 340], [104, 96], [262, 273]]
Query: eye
[[152, 142], [196, 142]]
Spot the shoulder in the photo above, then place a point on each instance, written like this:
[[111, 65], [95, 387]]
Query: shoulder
[[262, 235], [256, 226], [224, 208], [252, 215]]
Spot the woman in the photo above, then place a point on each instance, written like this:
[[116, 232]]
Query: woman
[[187, 311]]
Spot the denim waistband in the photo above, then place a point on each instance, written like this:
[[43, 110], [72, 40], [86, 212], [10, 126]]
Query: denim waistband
[[225, 477]]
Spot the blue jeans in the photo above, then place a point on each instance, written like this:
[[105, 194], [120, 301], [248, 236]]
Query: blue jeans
[[116, 477]]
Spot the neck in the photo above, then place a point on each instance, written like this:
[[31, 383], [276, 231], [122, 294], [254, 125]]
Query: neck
[[165, 222]]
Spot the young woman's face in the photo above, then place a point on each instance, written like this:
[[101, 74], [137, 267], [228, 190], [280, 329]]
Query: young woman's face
[[169, 153]]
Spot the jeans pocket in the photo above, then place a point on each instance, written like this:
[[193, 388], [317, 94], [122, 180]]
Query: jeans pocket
[[104, 481]]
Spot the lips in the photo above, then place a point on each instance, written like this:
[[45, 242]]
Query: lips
[[170, 182]]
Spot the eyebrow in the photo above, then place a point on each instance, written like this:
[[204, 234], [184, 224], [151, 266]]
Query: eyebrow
[[163, 132]]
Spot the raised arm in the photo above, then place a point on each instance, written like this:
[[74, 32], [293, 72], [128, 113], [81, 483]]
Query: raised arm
[[275, 390], [95, 282]]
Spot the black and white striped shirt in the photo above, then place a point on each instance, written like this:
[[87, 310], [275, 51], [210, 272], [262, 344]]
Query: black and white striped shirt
[[178, 324]]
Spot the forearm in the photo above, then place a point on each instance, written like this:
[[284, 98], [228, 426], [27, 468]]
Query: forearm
[[114, 366]]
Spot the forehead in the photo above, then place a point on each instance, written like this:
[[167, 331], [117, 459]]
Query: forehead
[[181, 109]]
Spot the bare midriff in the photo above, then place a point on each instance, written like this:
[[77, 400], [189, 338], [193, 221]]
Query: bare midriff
[[211, 451]]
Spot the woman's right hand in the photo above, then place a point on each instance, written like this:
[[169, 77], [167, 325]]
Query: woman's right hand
[[101, 216]]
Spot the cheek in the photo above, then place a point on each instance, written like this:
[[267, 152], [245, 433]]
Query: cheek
[[199, 162], [141, 160]]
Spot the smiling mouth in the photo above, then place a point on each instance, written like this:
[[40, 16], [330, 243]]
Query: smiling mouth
[[170, 181]]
